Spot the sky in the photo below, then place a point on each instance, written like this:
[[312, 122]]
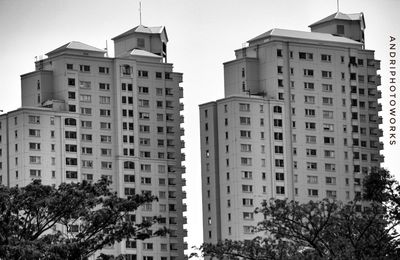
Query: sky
[[202, 36]]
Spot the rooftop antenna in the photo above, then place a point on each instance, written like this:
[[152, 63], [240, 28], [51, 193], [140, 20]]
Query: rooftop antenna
[[337, 4], [140, 12], [106, 49]]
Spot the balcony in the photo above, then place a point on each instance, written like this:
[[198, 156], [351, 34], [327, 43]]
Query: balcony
[[380, 146], [181, 106], [180, 92], [378, 80], [379, 94], [185, 245], [183, 194], [377, 64], [381, 158], [185, 232], [184, 220], [183, 157], [183, 169], [183, 182], [379, 107], [184, 207], [380, 133], [380, 120], [182, 144], [182, 131], [181, 119]]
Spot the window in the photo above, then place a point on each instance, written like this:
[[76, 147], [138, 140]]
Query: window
[[327, 101], [247, 175], [340, 29], [86, 111], [105, 100], [106, 165], [104, 70], [279, 176], [34, 119], [85, 84], [143, 73], [84, 68], [310, 125], [327, 114], [280, 190], [311, 139], [245, 120], [86, 137], [278, 136], [245, 134], [105, 112], [326, 74], [330, 180], [311, 152], [104, 86], [277, 109], [87, 150], [308, 72], [308, 85], [278, 149], [331, 194], [279, 163], [35, 173], [279, 53], [305, 56], [309, 99], [278, 122], [246, 161], [311, 165], [326, 57], [71, 174], [70, 135], [329, 140], [126, 70], [309, 112], [247, 202], [312, 179], [105, 126], [245, 147], [247, 188], [71, 82], [34, 159], [244, 107]]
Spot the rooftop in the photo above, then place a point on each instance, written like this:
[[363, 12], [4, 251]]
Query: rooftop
[[74, 45], [141, 29], [341, 16], [284, 33]]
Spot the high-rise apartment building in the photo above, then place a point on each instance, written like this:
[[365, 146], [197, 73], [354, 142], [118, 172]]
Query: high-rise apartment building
[[299, 120], [85, 115]]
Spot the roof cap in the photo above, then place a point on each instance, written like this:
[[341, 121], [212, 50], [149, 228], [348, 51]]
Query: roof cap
[[340, 16], [74, 45]]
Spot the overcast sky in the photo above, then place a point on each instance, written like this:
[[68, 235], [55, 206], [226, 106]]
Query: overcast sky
[[202, 35]]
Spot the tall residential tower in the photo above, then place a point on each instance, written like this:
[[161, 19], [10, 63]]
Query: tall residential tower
[[299, 120], [85, 115]]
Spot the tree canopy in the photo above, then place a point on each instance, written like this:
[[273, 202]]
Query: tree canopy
[[328, 229], [71, 221]]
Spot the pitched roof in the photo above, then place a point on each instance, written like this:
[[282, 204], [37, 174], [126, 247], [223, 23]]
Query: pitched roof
[[144, 53], [340, 16], [74, 45], [303, 35], [141, 29]]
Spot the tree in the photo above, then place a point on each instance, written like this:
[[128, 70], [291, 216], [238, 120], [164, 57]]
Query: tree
[[327, 229], [71, 221]]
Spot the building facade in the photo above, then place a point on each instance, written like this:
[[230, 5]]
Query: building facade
[[299, 120], [85, 115]]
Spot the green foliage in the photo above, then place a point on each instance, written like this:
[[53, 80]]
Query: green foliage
[[327, 229], [36, 221]]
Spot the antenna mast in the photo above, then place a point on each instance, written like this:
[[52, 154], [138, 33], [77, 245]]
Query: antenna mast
[[337, 3], [140, 12]]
